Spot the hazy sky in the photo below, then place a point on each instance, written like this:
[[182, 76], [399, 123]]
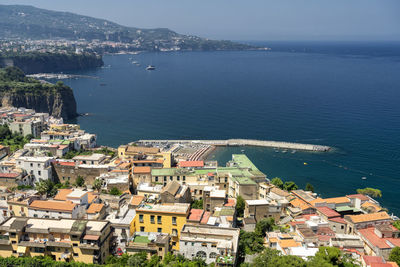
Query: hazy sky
[[247, 19]]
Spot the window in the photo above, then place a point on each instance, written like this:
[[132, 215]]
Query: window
[[192, 244], [152, 218], [31, 164], [201, 254], [184, 178], [174, 220], [76, 255], [342, 227], [170, 178], [141, 228], [204, 245], [159, 221], [35, 215], [173, 243], [74, 244], [178, 178], [174, 232], [165, 178], [14, 242], [159, 230], [156, 179], [39, 173], [213, 255], [141, 218]]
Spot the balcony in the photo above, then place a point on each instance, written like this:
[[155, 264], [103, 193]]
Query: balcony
[[92, 246]]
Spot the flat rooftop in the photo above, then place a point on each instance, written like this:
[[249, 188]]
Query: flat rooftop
[[181, 208]]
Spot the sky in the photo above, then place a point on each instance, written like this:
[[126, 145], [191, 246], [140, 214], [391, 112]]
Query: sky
[[266, 20]]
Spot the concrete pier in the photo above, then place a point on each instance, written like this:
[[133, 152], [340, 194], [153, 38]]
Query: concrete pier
[[242, 142]]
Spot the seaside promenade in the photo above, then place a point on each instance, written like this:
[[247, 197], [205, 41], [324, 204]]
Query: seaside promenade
[[243, 142]]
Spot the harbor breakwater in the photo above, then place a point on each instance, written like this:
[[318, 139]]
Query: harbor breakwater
[[243, 142]]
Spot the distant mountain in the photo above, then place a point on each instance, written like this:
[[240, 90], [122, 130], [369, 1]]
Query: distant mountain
[[28, 22]]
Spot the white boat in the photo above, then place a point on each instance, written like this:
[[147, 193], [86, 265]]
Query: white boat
[[150, 67]]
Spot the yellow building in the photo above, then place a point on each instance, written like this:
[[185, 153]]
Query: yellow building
[[62, 239], [18, 206], [142, 152], [165, 218]]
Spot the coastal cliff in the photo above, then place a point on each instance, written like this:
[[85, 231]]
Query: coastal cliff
[[20, 91], [35, 62]]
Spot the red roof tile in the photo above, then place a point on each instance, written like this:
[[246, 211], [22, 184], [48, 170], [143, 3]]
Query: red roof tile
[[195, 215], [369, 234], [231, 202], [372, 259], [359, 196], [9, 175], [205, 218], [328, 212], [338, 220], [187, 164]]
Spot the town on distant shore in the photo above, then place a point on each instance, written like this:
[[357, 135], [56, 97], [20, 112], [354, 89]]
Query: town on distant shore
[[66, 199]]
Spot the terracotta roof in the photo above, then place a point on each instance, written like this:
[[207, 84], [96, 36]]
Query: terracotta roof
[[279, 192], [92, 196], [371, 206], [338, 220], [205, 218], [195, 215], [231, 202], [9, 175], [359, 196], [62, 194], [94, 208], [91, 237], [142, 170], [287, 243], [369, 234], [368, 217], [333, 200], [328, 212], [372, 259], [188, 164], [67, 206], [147, 161], [136, 200], [62, 163], [298, 203]]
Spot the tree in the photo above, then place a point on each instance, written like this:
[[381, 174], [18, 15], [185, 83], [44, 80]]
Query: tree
[[97, 184], [395, 255], [265, 225], [266, 257], [137, 260], [309, 187], [79, 181], [197, 204], [277, 182], [115, 191], [250, 243], [331, 256], [289, 186], [396, 224], [372, 192], [46, 187], [240, 205]]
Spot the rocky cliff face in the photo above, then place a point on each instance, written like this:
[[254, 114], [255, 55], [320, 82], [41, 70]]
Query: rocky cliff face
[[58, 104]]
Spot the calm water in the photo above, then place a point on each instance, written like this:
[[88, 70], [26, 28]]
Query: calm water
[[342, 95]]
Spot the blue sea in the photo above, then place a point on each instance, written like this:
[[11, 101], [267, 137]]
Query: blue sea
[[345, 95]]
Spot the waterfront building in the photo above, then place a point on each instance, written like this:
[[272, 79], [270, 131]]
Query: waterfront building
[[379, 240], [27, 126], [145, 153], [62, 239], [213, 197], [213, 244], [162, 218], [355, 222], [244, 187]]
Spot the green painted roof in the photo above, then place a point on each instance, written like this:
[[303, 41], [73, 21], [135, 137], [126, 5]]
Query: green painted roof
[[244, 180], [141, 239]]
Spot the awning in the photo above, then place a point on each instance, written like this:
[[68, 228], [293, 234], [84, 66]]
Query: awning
[[91, 237], [21, 249]]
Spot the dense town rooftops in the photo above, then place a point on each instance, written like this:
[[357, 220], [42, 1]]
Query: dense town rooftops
[[333, 200], [368, 217], [142, 149], [136, 200], [62, 194], [94, 157], [382, 243]]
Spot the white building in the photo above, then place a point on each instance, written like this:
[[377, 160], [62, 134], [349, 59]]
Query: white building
[[209, 242], [38, 168], [53, 209]]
